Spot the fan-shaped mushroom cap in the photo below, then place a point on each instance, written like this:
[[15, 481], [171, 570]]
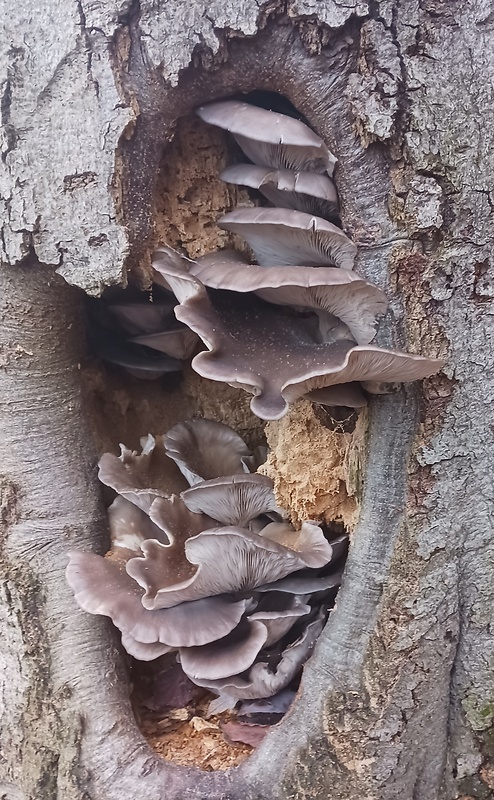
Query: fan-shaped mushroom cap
[[122, 474], [229, 656], [137, 360], [218, 561], [237, 652], [102, 586], [261, 681], [143, 318], [268, 138], [279, 615], [178, 343], [284, 534], [282, 236], [143, 652], [304, 582], [233, 499], [255, 347], [302, 191], [204, 449], [166, 255], [130, 526], [342, 293]]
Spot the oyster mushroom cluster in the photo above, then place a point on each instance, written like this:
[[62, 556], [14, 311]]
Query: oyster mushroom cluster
[[214, 573], [300, 322], [139, 332]]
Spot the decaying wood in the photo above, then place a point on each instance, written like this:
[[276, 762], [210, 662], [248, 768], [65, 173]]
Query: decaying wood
[[398, 700]]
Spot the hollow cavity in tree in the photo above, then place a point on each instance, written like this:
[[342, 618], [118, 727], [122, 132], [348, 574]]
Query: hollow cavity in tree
[[336, 502]]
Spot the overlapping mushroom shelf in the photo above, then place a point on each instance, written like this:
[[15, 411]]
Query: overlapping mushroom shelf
[[215, 574], [300, 322]]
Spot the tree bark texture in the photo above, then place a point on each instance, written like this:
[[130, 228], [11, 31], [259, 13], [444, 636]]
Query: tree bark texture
[[398, 700]]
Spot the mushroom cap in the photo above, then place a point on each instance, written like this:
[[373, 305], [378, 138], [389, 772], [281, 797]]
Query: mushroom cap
[[304, 582], [268, 138], [303, 191], [102, 586], [179, 343], [261, 680], [219, 561], [283, 533], [237, 651], [256, 347], [229, 656], [204, 449], [145, 317], [166, 255], [284, 180], [342, 293], [130, 526], [144, 652], [283, 236], [139, 361], [124, 478], [279, 614], [233, 499]]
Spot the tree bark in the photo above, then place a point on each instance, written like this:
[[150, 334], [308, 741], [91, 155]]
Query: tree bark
[[398, 698]]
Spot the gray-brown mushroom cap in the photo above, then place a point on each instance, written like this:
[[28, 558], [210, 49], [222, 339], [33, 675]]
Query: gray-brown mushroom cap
[[144, 652], [283, 236], [124, 475], [268, 138], [179, 343], [102, 586], [145, 317], [204, 449], [219, 561], [130, 527], [257, 348], [229, 656], [261, 681], [309, 192], [233, 499], [341, 293]]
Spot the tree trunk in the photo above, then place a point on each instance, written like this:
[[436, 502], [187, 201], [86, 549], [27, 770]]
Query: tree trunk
[[398, 700]]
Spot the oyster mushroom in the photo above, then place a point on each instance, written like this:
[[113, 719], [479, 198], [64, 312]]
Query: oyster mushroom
[[261, 680], [126, 474], [178, 342], [340, 293], [218, 561], [138, 361], [302, 191], [233, 499], [268, 138], [144, 317], [256, 347], [237, 651], [114, 319], [282, 236], [102, 586], [204, 449]]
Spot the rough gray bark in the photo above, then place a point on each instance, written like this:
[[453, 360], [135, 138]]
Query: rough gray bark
[[398, 700]]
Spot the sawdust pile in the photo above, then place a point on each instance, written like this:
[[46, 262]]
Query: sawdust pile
[[315, 469]]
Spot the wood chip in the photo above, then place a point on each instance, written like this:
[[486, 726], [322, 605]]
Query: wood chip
[[201, 724]]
